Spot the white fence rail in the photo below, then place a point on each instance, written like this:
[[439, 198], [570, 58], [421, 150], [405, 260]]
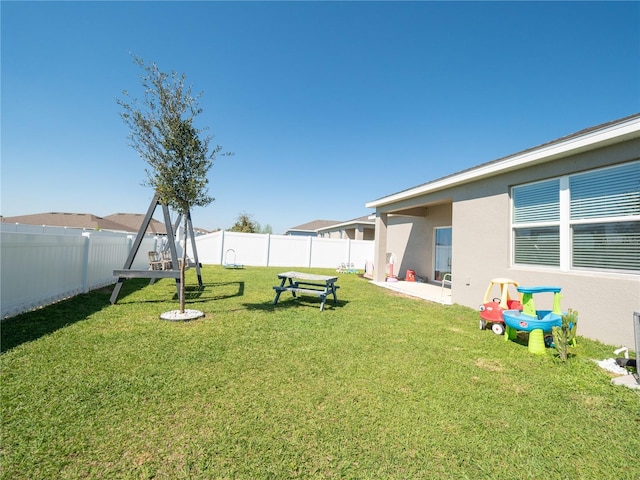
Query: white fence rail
[[42, 265], [281, 250]]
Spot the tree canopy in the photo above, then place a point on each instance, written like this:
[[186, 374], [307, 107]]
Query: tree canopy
[[245, 224], [162, 130]]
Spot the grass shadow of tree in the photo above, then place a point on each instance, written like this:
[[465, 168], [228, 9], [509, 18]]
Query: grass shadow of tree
[[196, 294]]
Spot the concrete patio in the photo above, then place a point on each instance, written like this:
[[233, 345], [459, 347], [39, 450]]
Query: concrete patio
[[426, 291]]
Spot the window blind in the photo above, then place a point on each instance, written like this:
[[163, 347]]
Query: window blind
[[537, 246], [607, 245], [538, 202], [612, 192]]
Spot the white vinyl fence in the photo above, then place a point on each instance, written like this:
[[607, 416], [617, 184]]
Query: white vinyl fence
[[37, 269], [267, 250], [42, 265]]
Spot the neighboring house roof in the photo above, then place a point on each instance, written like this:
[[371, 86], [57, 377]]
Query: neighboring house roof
[[133, 221], [313, 226], [120, 222], [356, 221], [64, 219], [588, 139]]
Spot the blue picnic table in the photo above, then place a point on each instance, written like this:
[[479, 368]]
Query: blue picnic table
[[308, 284]]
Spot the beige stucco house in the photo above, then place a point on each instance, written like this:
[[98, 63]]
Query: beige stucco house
[[361, 228], [310, 229], [565, 213]]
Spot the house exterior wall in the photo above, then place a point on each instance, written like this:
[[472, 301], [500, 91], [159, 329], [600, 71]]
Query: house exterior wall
[[331, 234], [479, 213], [369, 234], [480, 240], [411, 239], [482, 251], [406, 243]]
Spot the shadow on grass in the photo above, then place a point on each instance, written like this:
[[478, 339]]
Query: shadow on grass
[[193, 293], [223, 290], [30, 326], [298, 302]]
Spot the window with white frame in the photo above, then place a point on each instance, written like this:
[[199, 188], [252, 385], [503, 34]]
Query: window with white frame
[[587, 220]]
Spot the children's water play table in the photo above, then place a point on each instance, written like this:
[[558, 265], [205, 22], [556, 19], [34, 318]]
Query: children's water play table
[[536, 322]]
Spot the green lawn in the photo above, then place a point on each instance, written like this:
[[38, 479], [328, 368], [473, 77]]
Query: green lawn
[[380, 386]]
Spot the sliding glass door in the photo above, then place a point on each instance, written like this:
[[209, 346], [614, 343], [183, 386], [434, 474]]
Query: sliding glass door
[[442, 259]]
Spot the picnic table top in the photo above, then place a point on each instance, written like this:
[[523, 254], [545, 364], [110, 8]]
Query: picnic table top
[[308, 276]]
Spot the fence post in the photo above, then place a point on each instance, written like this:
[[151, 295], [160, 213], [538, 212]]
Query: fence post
[[85, 262], [310, 247], [222, 248], [128, 245], [268, 246]]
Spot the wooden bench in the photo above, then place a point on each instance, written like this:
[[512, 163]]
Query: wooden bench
[[146, 273]]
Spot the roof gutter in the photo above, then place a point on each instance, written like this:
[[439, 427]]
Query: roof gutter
[[625, 130]]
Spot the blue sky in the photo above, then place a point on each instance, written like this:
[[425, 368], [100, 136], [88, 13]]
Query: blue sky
[[325, 105]]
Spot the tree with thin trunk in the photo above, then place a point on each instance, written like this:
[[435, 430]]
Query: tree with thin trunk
[[178, 155]]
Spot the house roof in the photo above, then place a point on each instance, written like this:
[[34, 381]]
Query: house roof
[[588, 139], [313, 226], [64, 219], [133, 221], [356, 221], [127, 222]]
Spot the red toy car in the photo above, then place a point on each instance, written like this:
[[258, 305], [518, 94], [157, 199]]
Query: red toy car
[[491, 310]]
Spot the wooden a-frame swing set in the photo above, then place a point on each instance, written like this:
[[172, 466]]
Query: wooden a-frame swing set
[[174, 272]]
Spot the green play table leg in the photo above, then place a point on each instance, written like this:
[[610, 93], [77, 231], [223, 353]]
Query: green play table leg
[[536, 342]]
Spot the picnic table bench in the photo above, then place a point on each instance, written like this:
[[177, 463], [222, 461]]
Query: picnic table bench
[[307, 284]]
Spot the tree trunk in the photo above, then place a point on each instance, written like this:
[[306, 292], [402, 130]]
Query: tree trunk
[[183, 263]]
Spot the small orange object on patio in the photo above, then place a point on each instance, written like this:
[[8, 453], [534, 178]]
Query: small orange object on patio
[[411, 276]]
